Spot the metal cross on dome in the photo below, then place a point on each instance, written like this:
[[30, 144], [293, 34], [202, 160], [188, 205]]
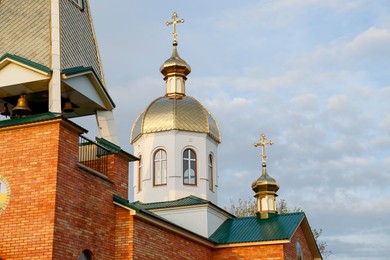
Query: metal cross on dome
[[263, 143], [174, 23]]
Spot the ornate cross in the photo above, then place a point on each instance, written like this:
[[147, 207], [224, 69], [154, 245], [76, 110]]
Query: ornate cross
[[263, 143], [174, 23]]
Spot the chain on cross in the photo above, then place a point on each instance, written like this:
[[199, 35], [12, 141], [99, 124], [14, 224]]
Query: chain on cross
[[174, 23], [263, 143]]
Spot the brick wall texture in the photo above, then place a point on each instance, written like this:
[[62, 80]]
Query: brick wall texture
[[56, 209], [151, 242]]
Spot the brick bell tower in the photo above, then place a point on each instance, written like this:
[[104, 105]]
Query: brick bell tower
[[56, 186]]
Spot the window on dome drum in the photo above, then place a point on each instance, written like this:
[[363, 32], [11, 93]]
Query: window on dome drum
[[86, 255], [160, 168], [140, 173], [211, 173], [189, 167]]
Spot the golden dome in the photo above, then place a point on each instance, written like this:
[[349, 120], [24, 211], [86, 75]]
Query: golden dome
[[175, 65], [265, 182], [185, 114]]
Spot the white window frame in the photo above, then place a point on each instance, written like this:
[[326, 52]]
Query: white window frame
[[190, 174], [211, 172], [140, 173], [160, 164]]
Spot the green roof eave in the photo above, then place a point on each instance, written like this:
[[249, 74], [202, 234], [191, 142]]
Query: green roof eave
[[30, 119], [85, 70], [115, 149], [125, 202], [26, 62], [254, 229], [183, 202], [38, 118]]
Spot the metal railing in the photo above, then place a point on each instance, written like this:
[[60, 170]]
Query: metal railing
[[92, 155]]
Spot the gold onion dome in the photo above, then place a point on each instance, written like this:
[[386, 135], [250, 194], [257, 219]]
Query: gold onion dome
[[175, 65], [185, 114], [265, 182], [175, 110]]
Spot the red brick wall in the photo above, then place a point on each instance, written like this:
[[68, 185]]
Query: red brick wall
[[151, 242], [56, 209], [85, 213], [250, 252], [123, 234], [118, 172], [28, 159], [290, 249]]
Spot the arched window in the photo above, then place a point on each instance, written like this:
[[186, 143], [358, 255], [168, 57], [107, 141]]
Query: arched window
[[86, 255], [299, 251], [211, 173], [140, 173], [189, 167], [160, 168]]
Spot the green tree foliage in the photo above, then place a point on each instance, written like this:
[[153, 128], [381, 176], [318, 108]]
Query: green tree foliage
[[247, 208]]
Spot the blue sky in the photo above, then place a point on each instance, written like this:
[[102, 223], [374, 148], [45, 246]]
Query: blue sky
[[312, 75]]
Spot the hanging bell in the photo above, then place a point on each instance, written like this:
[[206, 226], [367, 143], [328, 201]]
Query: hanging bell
[[5, 111], [21, 108], [68, 107]]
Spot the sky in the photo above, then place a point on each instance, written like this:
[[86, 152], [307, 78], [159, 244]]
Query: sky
[[312, 75]]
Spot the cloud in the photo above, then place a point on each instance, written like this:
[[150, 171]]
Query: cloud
[[275, 14], [306, 102], [311, 75], [369, 46]]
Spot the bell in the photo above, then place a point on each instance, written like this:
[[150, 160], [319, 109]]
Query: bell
[[4, 111], [21, 108], [68, 107]]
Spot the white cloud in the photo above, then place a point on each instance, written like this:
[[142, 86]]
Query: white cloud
[[307, 102], [371, 45], [312, 75]]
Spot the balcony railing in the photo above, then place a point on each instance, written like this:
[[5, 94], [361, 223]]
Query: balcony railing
[[93, 155]]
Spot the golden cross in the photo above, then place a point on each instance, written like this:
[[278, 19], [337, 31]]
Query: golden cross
[[174, 22], [263, 143]]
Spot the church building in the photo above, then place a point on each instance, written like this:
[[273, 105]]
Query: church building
[[65, 196]]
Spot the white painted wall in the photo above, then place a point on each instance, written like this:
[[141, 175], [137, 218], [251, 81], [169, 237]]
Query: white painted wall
[[174, 143], [200, 219], [13, 74]]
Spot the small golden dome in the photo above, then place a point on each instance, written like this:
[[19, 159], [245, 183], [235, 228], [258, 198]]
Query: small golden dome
[[185, 114], [265, 182], [175, 65]]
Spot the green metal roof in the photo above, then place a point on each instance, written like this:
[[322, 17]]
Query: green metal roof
[[233, 230], [254, 229], [187, 201], [115, 148], [26, 62], [29, 119]]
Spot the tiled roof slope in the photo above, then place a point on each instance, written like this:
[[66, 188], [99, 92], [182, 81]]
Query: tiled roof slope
[[78, 43], [254, 229], [25, 30]]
